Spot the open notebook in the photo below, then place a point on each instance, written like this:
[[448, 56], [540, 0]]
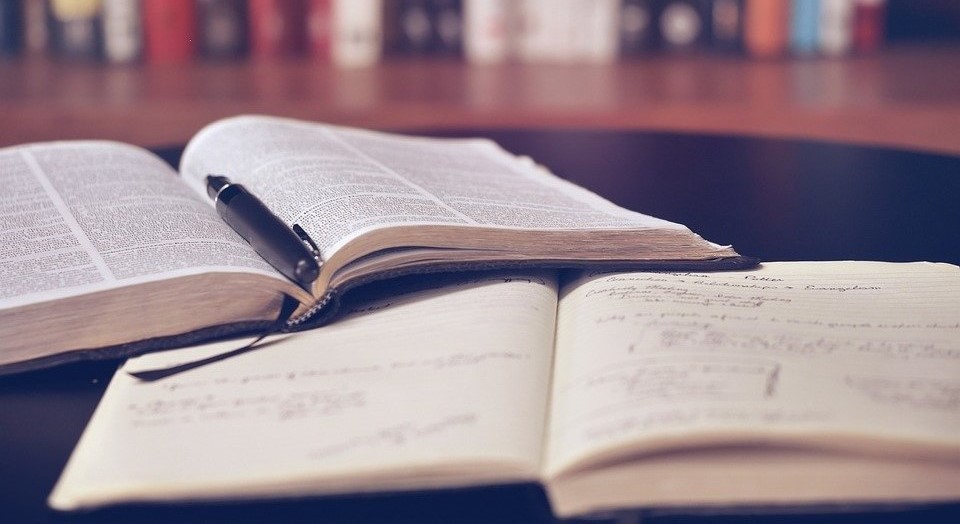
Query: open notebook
[[793, 384]]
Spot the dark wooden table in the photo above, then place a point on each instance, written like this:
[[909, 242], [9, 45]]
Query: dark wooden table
[[774, 199]]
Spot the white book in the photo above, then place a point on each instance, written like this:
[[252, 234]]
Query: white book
[[489, 30], [357, 32], [836, 26]]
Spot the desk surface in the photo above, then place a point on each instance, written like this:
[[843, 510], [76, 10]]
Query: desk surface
[[775, 199]]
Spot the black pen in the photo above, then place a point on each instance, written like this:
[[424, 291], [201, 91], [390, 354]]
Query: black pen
[[271, 238]]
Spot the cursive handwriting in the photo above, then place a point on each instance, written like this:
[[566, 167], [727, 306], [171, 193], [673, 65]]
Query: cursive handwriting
[[397, 435], [915, 392], [225, 404]]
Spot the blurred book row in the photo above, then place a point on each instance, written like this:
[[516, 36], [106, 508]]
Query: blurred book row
[[354, 33]]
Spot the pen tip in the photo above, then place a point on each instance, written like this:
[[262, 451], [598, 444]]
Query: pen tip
[[215, 183]]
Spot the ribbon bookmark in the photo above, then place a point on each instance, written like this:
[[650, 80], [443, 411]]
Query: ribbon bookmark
[[286, 311]]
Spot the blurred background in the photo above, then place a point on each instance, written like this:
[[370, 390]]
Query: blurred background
[[152, 72]]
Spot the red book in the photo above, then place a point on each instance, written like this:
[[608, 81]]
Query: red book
[[320, 28], [277, 27], [868, 22], [170, 28]]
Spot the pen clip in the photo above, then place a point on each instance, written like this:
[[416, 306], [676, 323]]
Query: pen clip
[[307, 241]]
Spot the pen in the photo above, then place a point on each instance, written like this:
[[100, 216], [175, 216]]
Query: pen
[[269, 236]]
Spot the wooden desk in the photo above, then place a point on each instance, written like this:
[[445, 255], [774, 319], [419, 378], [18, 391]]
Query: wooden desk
[[770, 198], [906, 96]]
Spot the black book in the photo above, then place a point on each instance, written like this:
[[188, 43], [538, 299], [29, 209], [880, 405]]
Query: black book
[[637, 31], [75, 29], [683, 24], [726, 25], [11, 27], [222, 28]]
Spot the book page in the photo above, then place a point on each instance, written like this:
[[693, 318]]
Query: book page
[[338, 182], [860, 356], [86, 216], [416, 389]]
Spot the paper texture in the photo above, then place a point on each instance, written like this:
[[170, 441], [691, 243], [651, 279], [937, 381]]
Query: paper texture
[[844, 355], [338, 182], [411, 391], [86, 216]]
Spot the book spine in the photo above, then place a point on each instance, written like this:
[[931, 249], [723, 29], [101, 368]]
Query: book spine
[[415, 27], [592, 27], [320, 29], [836, 27], [122, 31], [357, 35], [35, 26], [222, 28], [11, 34], [448, 26], [488, 34], [765, 28], [726, 25], [544, 28], [277, 27], [636, 27], [805, 26], [683, 25], [869, 20], [170, 30], [75, 28]]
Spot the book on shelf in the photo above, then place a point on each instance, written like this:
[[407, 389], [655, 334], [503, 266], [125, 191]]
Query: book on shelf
[[11, 27], [222, 27], [75, 29], [122, 31], [766, 27], [836, 27], [424, 27], [414, 24], [805, 26], [726, 25], [170, 30], [683, 25], [636, 26], [109, 253], [798, 386], [448, 27], [277, 28], [869, 19], [489, 30], [356, 32], [568, 31]]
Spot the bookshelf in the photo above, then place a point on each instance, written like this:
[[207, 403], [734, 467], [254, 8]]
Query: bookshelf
[[907, 96]]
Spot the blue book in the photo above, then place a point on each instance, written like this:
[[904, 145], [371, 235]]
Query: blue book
[[804, 26]]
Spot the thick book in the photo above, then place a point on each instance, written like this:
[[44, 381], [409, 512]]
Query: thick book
[[794, 386], [108, 253]]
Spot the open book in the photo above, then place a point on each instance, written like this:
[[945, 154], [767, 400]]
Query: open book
[[792, 384], [99, 234]]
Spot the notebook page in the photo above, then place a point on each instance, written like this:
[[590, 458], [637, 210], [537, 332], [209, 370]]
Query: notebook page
[[432, 388], [853, 355]]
